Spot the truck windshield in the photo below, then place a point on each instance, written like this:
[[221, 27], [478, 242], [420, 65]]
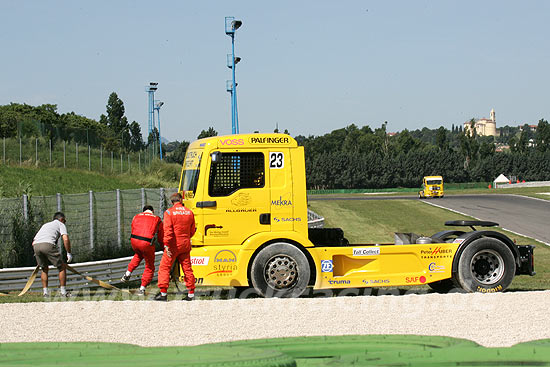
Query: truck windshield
[[433, 182], [191, 171]]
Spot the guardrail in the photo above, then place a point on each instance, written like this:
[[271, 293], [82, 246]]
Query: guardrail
[[109, 271], [522, 184], [314, 220]]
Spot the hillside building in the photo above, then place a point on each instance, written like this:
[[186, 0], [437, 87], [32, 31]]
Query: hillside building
[[484, 126]]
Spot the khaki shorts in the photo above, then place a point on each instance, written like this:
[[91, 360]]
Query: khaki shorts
[[47, 253]]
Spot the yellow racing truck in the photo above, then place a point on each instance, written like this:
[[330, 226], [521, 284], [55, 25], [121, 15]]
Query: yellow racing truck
[[432, 187], [248, 193]]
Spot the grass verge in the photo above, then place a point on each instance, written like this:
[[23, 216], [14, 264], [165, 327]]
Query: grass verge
[[364, 350], [17, 181]]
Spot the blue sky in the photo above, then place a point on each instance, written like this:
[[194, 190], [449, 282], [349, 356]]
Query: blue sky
[[310, 66]]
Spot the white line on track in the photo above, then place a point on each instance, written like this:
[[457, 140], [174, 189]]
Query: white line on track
[[471, 216]]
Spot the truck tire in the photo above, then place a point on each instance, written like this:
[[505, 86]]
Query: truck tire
[[486, 265], [280, 270], [442, 286]]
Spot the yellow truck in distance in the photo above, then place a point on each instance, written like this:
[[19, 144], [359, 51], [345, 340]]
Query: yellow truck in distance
[[432, 187], [248, 193]]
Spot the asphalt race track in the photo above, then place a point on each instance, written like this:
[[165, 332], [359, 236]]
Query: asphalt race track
[[523, 215]]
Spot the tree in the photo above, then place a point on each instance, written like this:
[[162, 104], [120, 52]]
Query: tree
[[207, 133], [178, 155], [136, 139], [117, 123], [405, 142], [542, 136], [153, 137], [468, 144], [441, 138]]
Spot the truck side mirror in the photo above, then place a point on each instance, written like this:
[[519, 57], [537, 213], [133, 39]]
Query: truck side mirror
[[215, 156]]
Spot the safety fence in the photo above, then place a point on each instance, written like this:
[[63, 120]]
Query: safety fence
[[43, 152], [98, 223]]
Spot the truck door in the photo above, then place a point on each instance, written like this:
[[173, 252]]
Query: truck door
[[236, 198], [280, 178]]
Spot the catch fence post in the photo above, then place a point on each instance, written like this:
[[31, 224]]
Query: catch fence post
[[91, 219], [20, 151], [50, 152], [142, 197], [89, 160], [161, 203], [58, 197], [139, 159], [25, 207], [120, 162], [118, 221]]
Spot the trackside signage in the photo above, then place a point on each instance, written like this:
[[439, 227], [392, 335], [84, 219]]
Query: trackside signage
[[269, 140], [199, 260], [366, 251]]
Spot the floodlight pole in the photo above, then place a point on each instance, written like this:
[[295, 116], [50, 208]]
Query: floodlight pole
[[150, 89], [231, 25], [158, 105]]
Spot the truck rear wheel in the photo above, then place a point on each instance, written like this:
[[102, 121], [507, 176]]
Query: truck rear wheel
[[487, 265], [280, 270]]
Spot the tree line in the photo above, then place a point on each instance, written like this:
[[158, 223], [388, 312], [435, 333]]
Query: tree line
[[112, 131], [363, 158], [348, 158]]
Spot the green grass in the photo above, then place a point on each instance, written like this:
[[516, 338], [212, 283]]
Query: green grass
[[364, 350], [49, 181], [376, 221]]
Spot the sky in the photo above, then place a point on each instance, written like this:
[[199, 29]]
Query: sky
[[309, 66]]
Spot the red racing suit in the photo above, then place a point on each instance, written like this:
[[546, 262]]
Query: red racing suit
[[144, 227], [179, 227]]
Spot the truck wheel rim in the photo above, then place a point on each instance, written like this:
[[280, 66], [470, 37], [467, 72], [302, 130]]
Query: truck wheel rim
[[487, 267], [281, 272]]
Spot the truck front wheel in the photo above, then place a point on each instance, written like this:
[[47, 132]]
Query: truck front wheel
[[487, 266], [280, 270]]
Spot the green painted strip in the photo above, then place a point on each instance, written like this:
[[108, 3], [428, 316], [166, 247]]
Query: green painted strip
[[365, 350]]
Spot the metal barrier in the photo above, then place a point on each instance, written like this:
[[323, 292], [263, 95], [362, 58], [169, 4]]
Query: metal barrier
[[314, 220], [109, 271]]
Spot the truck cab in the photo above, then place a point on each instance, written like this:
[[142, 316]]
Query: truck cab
[[244, 190], [432, 187]]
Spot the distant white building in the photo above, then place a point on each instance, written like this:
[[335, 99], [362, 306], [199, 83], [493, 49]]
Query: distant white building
[[484, 126]]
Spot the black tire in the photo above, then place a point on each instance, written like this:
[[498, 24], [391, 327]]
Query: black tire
[[442, 286], [446, 236], [486, 265], [280, 270]]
